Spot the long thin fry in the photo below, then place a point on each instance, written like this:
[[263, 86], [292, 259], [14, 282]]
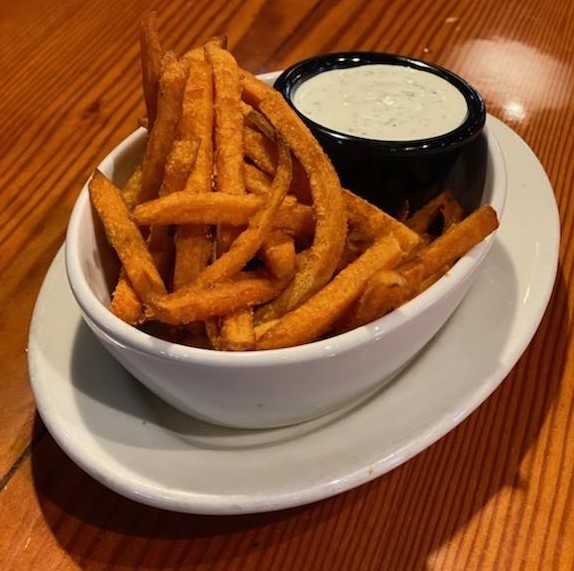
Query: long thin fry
[[256, 181], [314, 317], [228, 132], [388, 290], [261, 150], [151, 54], [317, 267], [193, 249], [451, 245], [172, 82], [216, 208], [192, 303], [179, 164], [373, 222], [260, 225], [424, 217], [126, 238], [131, 188], [278, 254]]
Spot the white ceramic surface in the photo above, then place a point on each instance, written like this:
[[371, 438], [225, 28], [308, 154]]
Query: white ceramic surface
[[264, 389], [131, 441]]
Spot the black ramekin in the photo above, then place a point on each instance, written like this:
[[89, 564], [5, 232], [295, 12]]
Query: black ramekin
[[388, 172]]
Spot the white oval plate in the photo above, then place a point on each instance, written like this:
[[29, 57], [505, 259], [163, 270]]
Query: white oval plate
[[142, 448]]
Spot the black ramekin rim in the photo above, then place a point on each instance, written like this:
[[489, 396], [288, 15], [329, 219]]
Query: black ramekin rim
[[471, 127]]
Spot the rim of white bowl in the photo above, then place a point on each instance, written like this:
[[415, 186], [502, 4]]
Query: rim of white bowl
[[121, 333]]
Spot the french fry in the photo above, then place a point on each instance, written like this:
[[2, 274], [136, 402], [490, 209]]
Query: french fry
[[131, 188], [384, 291], [371, 222], [451, 245], [260, 150], [179, 164], [193, 249], [237, 332], [125, 303], [215, 208], [256, 181], [151, 55], [197, 119], [316, 268], [314, 317], [125, 237], [228, 133], [443, 204], [278, 254], [257, 120], [390, 289], [195, 303], [245, 246], [162, 135]]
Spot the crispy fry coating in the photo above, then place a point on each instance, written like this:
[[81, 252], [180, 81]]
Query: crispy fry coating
[[316, 267], [314, 317], [215, 208], [162, 135], [151, 55], [192, 303], [125, 303], [126, 238], [387, 290], [193, 248], [245, 246]]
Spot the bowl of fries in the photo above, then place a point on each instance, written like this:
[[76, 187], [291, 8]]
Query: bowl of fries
[[216, 256], [392, 125]]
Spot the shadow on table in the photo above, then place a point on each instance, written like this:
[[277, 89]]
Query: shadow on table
[[397, 521]]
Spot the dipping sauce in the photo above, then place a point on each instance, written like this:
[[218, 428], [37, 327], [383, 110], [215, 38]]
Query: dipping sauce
[[382, 102]]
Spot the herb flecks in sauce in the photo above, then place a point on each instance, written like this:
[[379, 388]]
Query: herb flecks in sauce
[[384, 102]]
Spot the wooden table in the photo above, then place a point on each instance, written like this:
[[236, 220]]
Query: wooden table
[[495, 493]]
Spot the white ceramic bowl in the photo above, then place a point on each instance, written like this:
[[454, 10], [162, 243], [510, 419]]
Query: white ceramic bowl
[[277, 387]]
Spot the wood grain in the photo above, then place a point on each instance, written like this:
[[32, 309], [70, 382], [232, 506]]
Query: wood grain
[[495, 493]]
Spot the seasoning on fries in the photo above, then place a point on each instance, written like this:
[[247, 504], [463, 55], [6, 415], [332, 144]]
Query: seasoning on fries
[[234, 231]]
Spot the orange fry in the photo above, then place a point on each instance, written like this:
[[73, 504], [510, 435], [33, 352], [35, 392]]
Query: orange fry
[[316, 268], [172, 82], [388, 290], [237, 332], [385, 290], [193, 248], [256, 181], [421, 220], [125, 303], [216, 208], [192, 303], [179, 164], [458, 240], [260, 150], [314, 317], [151, 55], [131, 188], [125, 238], [260, 225], [278, 254], [228, 133], [372, 222]]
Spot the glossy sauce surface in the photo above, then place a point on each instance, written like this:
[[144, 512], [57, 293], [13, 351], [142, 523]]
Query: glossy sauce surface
[[382, 101]]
